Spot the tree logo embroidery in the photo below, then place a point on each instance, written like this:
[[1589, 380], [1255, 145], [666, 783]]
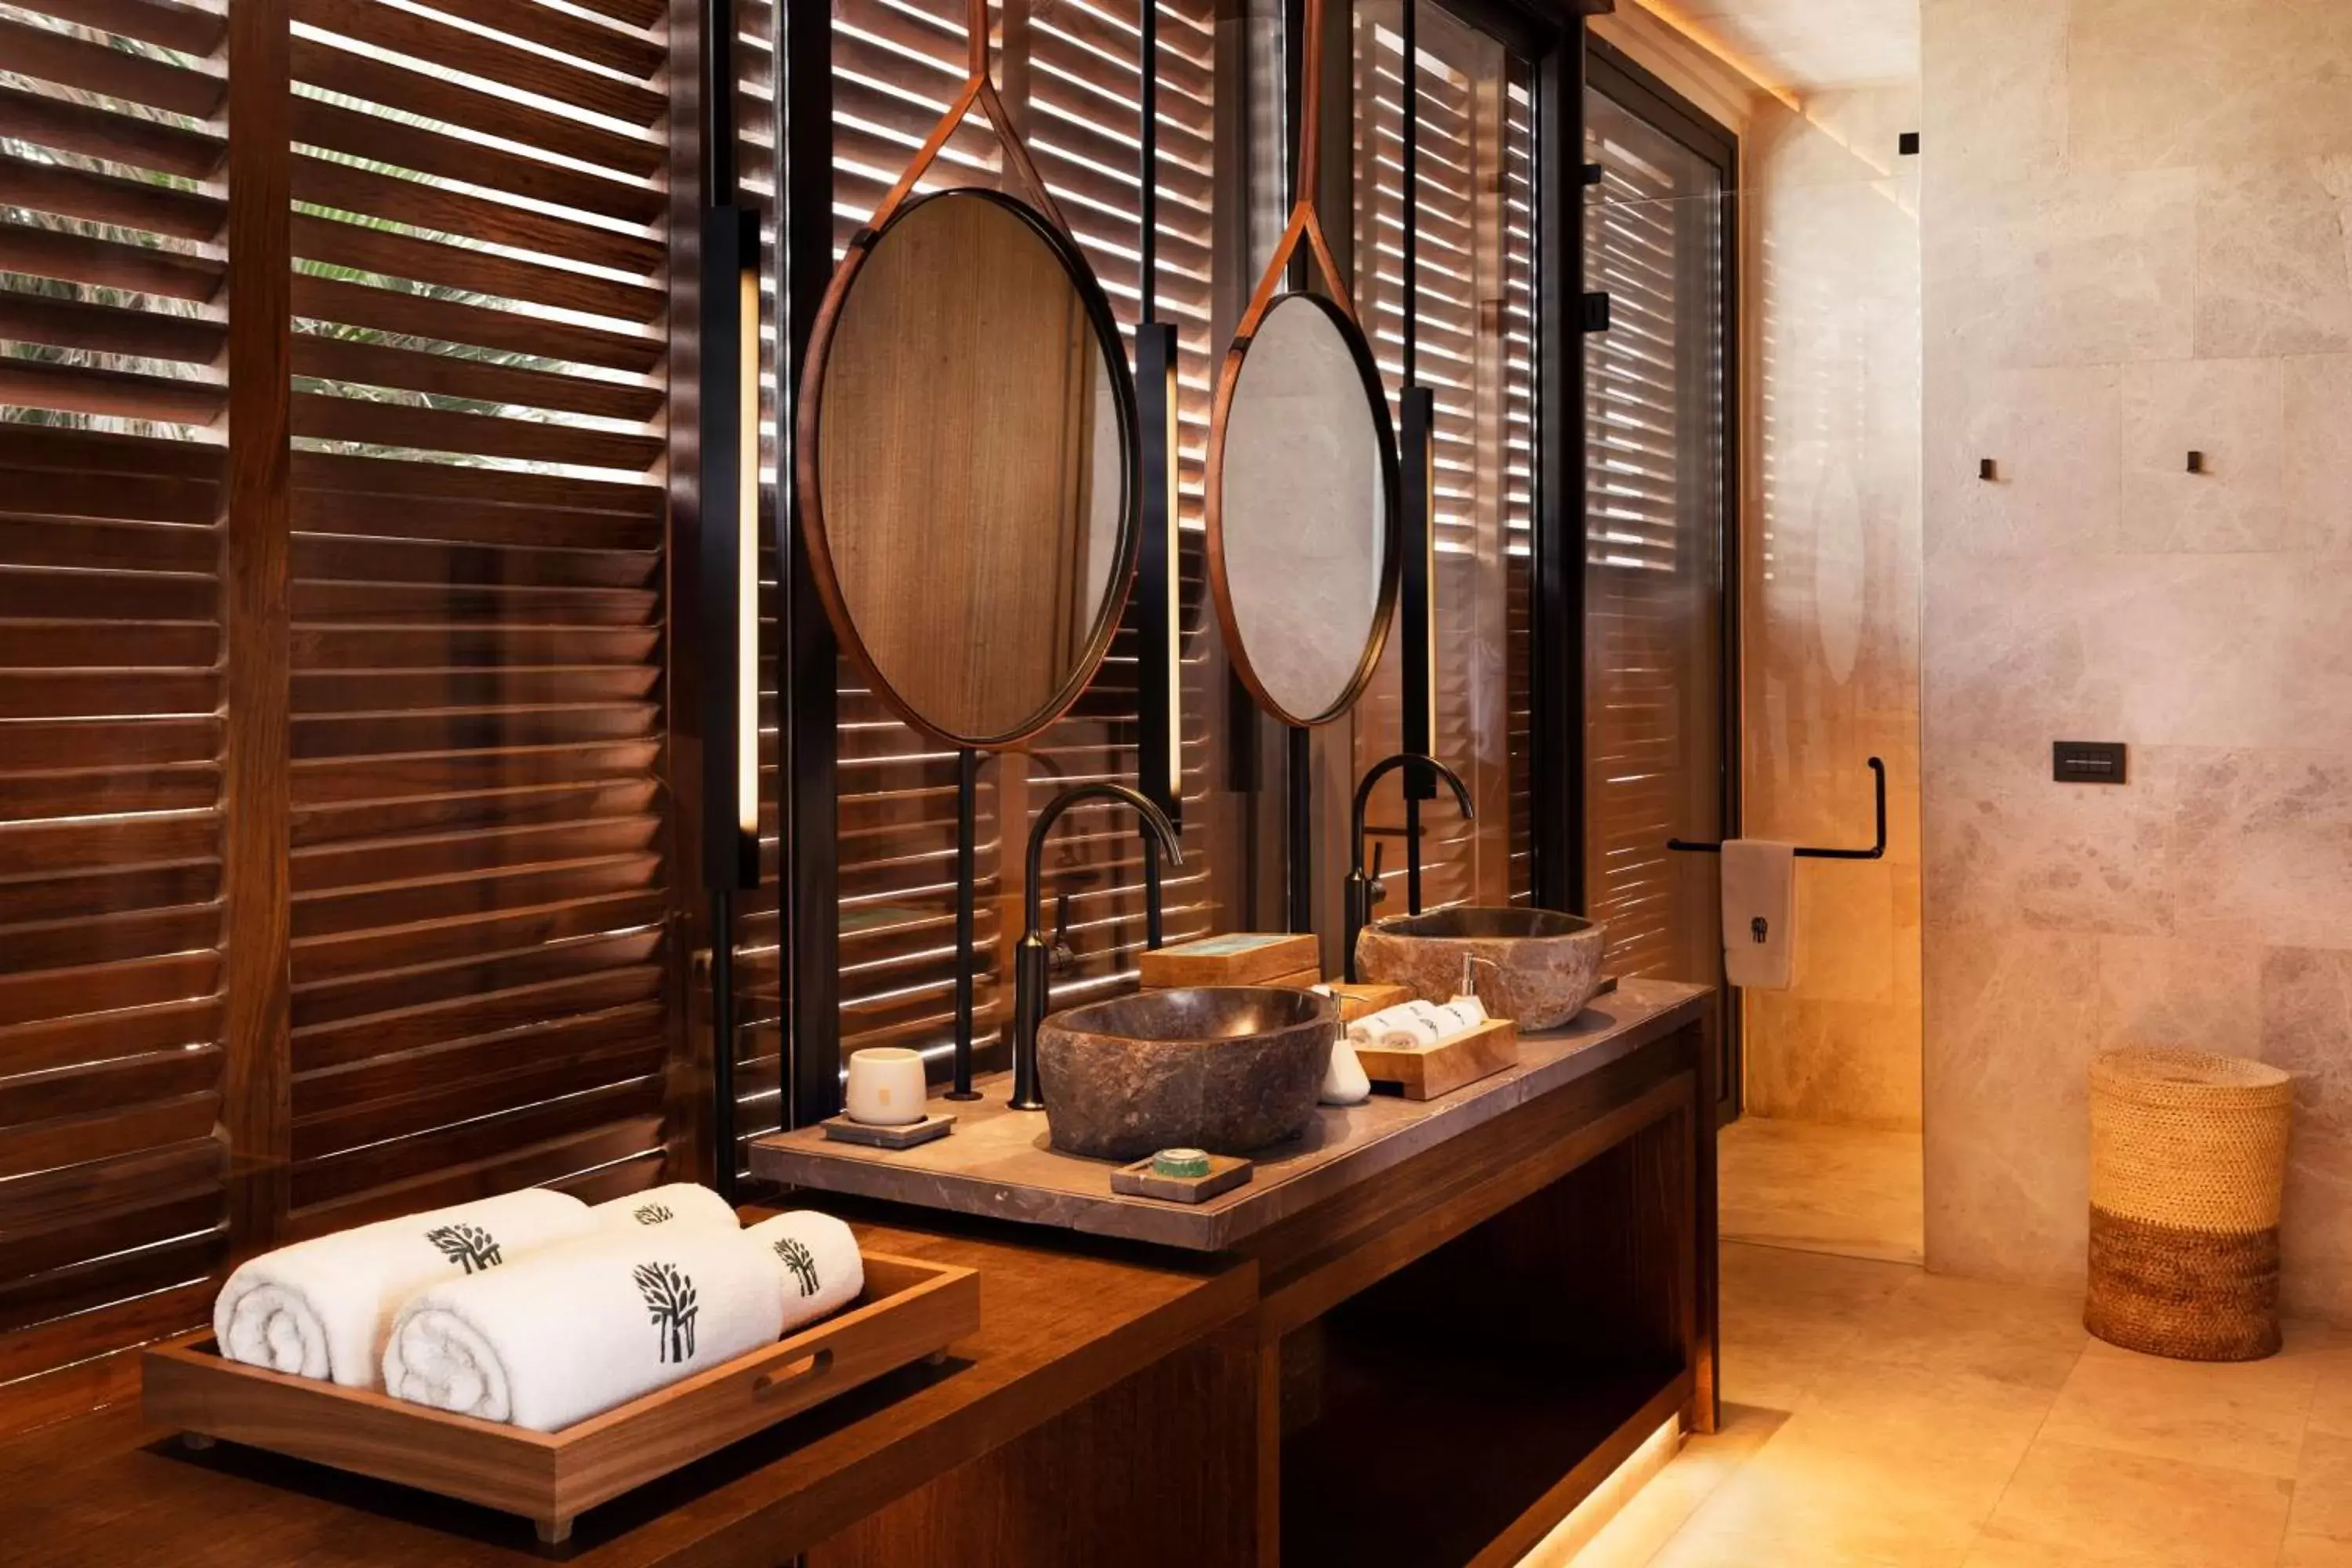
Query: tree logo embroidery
[[670, 1303], [654, 1213], [801, 1261], [467, 1244]]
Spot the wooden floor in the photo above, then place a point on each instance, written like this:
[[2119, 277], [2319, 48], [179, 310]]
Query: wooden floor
[[1854, 1191], [1879, 1414]]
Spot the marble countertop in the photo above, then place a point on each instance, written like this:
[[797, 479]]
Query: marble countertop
[[997, 1162]]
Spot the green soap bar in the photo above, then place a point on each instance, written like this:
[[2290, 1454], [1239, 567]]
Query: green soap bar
[[1180, 1162]]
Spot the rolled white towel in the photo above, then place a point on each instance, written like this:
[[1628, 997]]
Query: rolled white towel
[[1368, 1029], [817, 1261], [584, 1328], [1410, 1028], [1468, 1008], [1458, 1017], [688, 1203], [321, 1307]]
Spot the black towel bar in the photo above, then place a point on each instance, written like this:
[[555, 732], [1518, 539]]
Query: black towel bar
[[1876, 851]]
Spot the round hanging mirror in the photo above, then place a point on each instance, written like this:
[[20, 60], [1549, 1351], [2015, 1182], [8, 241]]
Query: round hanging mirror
[[1302, 494], [966, 453], [1302, 544], [972, 518]]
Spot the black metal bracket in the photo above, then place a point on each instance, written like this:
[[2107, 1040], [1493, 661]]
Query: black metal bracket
[[1596, 313], [1876, 851]]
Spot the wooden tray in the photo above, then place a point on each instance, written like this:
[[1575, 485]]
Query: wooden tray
[[909, 1310], [1235, 958], [1445, 1066]]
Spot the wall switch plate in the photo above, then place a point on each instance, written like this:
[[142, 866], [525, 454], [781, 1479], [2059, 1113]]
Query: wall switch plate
[[2087, 761]]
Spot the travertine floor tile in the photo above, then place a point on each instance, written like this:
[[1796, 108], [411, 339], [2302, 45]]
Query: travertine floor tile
[[1789, 1316], [2331, 1390], [2074, 1504], [1900, 1482], [2247, 1415], [1969, 1424], [1852, 1191], [1942, 1340], [2322, 1488]]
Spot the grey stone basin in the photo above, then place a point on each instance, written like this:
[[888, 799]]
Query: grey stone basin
[[1229, 1069], [1540, 967]]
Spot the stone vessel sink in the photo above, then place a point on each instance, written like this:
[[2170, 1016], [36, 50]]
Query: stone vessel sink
[[1540, 966], [1229, 1069]]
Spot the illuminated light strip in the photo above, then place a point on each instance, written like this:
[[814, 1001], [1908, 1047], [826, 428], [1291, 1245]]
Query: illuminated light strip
[[747, 554], [1698, 33], [1589, 1518], [1175, 577]]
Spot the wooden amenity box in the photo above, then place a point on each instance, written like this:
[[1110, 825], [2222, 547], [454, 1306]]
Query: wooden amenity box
[[909, 1310], [1236, 958], [1446, 1066]]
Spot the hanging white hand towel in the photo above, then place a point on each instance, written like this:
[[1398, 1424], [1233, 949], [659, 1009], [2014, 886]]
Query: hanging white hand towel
[[321, 1307], [816, 1260], [688, 1203], [1759, 913], [584, 1328]]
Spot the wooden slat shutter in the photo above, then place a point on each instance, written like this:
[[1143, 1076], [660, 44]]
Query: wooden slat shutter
[[1654, 540], [1476, 349], [113, 1183], [1084, 84], [1069, 72], [478, 874]]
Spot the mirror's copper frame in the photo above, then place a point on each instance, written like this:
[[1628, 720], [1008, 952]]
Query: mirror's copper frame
[[1043, 217], [1305, 226]]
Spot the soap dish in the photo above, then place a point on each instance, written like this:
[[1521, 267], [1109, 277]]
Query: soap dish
[[842, 1130], [1225, 1173]]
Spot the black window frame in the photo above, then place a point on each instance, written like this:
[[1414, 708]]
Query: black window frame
[[1616, 76]]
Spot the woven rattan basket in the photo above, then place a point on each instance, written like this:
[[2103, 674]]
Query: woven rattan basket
[[2187, 1157]]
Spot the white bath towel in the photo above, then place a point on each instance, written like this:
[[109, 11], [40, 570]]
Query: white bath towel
[[1759, 913], [689, 1203], [584, 1328], [321, 1307], [817, 1261]]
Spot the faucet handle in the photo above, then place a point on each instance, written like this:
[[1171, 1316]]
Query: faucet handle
[[1379, 890], [1063, 953]]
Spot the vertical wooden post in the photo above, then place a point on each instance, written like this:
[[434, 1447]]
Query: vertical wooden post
[[256, 1117]]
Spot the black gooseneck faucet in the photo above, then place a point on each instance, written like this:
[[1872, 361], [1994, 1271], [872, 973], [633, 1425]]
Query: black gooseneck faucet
[[1032, 960], [1362, 890]]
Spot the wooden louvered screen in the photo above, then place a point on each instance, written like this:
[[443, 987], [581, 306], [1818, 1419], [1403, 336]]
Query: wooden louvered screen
[[469, 675], [1073, 82], [1475, 347], [1654, 540], [477, 868], [113, 1201]]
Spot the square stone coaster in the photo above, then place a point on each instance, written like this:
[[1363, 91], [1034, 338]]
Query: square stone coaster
[[1226, 1172], [842, 1130]]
